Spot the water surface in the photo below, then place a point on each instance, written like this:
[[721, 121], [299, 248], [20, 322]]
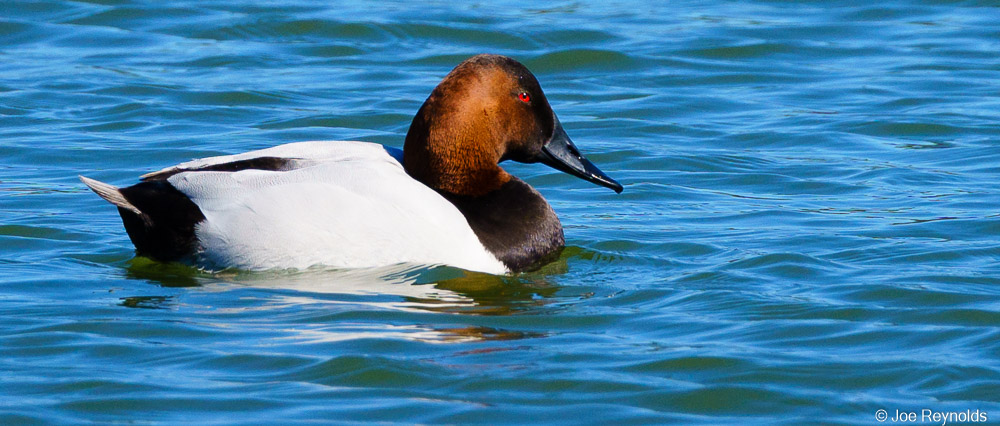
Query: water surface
[[808, 231]]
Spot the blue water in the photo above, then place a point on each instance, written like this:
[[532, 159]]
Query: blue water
[[808, 233]]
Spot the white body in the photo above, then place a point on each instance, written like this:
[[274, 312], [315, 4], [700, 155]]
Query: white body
[[342, 204]]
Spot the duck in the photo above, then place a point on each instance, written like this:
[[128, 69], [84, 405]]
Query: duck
[[441, 200]]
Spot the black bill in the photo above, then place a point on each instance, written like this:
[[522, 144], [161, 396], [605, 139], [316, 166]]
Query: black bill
[[560, 154]]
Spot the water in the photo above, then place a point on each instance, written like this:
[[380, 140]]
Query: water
[[808, 231]]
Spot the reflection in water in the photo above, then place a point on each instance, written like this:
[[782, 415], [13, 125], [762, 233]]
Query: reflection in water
[[418, 288], [403, 288], [165, 274], [437, 289], [147, 302], [420, 333]]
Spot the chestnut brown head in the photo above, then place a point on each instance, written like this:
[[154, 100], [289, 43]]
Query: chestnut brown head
[[488, 109]]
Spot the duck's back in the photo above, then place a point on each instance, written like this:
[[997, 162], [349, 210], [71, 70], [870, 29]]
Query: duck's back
[[333, 203]]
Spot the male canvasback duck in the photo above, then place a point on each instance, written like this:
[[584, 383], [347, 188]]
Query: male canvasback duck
[[443, 200]]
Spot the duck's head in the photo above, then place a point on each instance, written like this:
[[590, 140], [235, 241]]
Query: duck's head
[[488, 109]]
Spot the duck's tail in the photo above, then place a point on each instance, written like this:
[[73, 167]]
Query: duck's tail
[[159, 219], [110, 193]]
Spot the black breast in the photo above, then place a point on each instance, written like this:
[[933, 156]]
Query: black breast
[[515, 223]]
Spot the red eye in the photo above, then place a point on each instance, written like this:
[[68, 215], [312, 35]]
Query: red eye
[[523, 96]]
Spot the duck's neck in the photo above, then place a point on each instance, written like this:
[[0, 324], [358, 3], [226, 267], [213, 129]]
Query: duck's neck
[[454, 157], [459, 161], [457, 178]]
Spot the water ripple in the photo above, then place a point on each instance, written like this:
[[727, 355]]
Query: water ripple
[[808, 229]]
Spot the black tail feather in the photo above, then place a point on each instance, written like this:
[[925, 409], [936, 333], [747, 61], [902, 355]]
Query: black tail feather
[[159, 219]]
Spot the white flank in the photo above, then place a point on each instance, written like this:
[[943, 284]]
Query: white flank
[[347, 204]]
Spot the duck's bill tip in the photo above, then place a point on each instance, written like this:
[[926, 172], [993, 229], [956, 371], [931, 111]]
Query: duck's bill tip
[[592, 174], [560, 154], [615, 186]]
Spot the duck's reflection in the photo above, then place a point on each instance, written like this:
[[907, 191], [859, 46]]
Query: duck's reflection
[[414, 288], [405, 288], [415, 332]]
